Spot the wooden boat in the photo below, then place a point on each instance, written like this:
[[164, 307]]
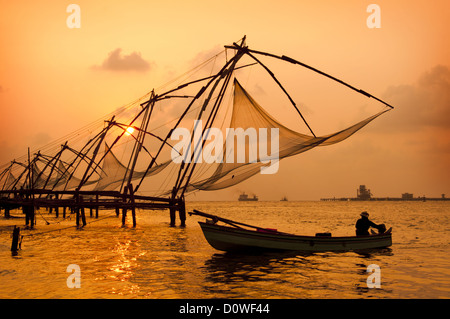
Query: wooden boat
[[236, 238]]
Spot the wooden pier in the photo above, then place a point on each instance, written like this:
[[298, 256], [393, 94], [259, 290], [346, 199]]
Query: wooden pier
[[77, 202]]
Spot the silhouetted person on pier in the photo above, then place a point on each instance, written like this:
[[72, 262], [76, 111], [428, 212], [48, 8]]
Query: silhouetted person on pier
[[363, 224]]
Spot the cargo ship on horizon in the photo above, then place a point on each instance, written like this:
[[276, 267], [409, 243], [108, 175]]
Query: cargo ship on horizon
[[245, 198], [364, 194]]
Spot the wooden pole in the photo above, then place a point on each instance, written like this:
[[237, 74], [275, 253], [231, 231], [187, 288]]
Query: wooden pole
[[288, 59], [283, 89], [83, 216], [91, 209], [182, 211], [7, 215], [96, 206], [28, 209], [124, 209], [199, 94], [99, 142], [140, 139], [27, 215], [172, 212], [33, 216], [117, 208], [133, 208], [208, 124], [77, 210], [57, 207], [172, 208], [15, 239]]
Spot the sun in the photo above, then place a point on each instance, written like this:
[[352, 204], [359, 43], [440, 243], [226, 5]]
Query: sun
[[129, 130]]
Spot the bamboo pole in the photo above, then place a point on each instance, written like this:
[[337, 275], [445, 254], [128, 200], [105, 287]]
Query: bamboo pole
[[283, 89], [209, 123], [199, 94], [288, 59], [96, 206], [57, 207], [91, 209], [124, 209], [172, 209], [133, 208], [182, 211], [83, 216]]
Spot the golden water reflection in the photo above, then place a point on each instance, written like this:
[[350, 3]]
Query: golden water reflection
[[154, 260]]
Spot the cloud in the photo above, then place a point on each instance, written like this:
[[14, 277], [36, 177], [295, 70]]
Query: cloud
[[422, 105], [40, 139], [116, 61], [215, 61], [205, 55], [415, 135]]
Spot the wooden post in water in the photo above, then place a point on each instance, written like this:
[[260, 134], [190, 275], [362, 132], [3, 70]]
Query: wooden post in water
[[83, 216], [7, 215], [124, 209], [172, 208], [15, 239], [172, 211], [117, 208], [77, 213], [91, 209], [96, 206], [77, 210], [33, 216], [133, 209], [50, 208], [28, 209], [182, 211], [27, 216], [57, 207]]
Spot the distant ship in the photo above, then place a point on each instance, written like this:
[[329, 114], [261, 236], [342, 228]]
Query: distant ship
[[244, 198], [284, 199]]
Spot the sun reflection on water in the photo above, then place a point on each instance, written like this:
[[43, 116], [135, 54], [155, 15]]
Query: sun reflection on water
[[154, 260]]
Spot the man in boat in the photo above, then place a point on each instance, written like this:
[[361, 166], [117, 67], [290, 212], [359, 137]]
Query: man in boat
[[363, 224]]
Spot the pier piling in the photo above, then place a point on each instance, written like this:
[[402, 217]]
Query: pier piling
[[15, 239], [182, 212], [76, 202], [29, 215], [172, 212], [124, 209], [133, 208]]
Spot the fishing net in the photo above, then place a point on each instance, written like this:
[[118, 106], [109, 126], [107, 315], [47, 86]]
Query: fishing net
[[113, 172], [254, 142], [249, 115]]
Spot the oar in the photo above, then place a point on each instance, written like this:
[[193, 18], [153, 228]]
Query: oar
[[217, 218], [224, 220]]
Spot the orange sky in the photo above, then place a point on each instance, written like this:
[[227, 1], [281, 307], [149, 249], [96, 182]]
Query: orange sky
[[54, 80]]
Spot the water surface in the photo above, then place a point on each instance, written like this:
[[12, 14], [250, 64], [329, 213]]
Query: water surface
[[156, 261]]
